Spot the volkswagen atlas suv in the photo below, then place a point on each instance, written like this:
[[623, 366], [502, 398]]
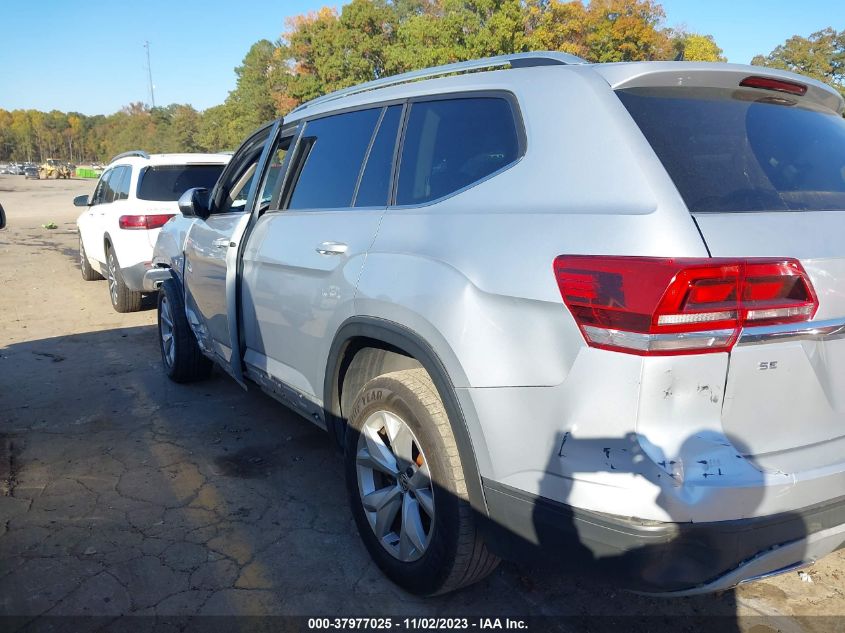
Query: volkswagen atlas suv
[[587, 311]]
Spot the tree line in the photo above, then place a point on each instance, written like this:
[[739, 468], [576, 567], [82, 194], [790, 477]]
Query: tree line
[[326, 50]]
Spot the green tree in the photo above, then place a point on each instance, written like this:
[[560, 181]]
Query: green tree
[[456, 30], [821, 56], [216, 130], [184, 129], [251, 102]]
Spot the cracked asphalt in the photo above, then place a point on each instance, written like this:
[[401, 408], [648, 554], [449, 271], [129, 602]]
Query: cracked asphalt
[[122, 493]]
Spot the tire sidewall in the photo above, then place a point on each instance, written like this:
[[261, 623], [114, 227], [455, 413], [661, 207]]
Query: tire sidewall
[[118, 280], [163, 294], [427, 574], [83, 258]]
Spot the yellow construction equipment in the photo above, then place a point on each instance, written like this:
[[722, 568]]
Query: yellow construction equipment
[[54, 168]]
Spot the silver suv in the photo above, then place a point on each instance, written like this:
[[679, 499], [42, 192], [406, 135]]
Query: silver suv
[[594, 312]]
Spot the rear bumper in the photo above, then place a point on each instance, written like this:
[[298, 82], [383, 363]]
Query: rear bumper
[[133, 276], [153, 278], [671, 559]]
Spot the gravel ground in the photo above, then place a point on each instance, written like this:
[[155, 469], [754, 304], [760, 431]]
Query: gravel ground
[[125, 494]]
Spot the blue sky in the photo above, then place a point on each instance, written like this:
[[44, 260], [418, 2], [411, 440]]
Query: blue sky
[[89, 56]]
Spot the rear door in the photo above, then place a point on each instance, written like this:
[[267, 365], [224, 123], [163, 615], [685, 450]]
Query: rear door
[[303, 258], [762, 170]]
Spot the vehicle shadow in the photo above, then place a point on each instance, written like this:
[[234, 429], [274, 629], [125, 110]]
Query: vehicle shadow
[[134, 495], [687, 489]]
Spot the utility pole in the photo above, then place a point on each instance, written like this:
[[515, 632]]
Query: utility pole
[[150, 75]]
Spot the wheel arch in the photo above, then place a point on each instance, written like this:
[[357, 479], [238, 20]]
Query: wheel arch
[[367, 333], [177, 280], [108, 242]]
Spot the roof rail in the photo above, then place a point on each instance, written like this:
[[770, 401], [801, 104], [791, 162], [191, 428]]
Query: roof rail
[[514, 60], [134, 152]]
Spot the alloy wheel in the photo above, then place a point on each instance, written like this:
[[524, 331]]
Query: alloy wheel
[[112, 270], [394, 482], [166, 332]]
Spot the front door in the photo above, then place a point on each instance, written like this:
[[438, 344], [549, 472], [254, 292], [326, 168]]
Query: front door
[[93, 223], [211, 250]]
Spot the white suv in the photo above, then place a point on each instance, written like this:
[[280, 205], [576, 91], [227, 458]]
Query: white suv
[[134, 197], [593, 313]]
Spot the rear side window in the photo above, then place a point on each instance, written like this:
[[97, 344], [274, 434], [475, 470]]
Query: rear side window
[[165, 183], [735, 151], [331, 152], [453, 143], [375, 180], [120, 183]]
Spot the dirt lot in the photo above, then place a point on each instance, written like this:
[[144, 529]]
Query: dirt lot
[[126, 494]]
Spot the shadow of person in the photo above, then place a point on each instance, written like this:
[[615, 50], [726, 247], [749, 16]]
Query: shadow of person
[[681, 526]]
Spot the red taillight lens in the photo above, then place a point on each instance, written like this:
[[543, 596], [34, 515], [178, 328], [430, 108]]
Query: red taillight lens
[[649, 305], [778, 85], [144, 221]]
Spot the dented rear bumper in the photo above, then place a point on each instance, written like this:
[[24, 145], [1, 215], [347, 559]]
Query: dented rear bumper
[[671, 559]]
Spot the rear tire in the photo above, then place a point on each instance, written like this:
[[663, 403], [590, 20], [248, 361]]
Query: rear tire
[[88, 272], [442, 549], [180, 354], [122, 298]]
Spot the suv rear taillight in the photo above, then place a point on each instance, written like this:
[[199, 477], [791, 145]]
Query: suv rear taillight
[[658, 306], [144, 221]]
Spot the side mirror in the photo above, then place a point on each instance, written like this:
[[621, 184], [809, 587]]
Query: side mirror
[[81, 201], [2, 217], [194, 203]]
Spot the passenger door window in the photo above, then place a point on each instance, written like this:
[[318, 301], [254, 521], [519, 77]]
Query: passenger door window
[[240, 190], [331, 153], [231, 192], [102, 188], [453, 143], [273, 181]]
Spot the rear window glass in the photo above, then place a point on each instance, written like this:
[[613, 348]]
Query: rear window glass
[[735, 150], [168, 182], [453, 143]]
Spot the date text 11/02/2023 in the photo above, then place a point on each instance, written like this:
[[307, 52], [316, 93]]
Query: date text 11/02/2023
[[418, 623]]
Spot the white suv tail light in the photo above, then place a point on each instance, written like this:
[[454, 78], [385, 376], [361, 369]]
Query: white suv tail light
[[144, 222]]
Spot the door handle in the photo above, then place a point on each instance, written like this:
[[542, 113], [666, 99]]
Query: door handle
[[221, 242], [332, 248]]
